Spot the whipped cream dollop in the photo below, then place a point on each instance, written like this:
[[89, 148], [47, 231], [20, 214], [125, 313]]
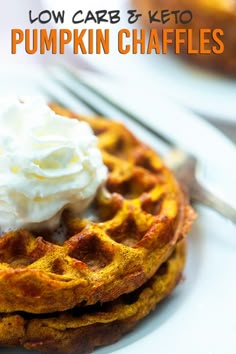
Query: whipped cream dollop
[[47, 163]]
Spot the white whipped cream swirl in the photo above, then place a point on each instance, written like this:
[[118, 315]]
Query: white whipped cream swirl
[[47, 163]]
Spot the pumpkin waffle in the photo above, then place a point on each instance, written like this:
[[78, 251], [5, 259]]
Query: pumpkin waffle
[[82, 329], [139, 216]]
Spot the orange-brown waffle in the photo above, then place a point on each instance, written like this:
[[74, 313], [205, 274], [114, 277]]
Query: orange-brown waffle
[[82, 329], [138, 225]]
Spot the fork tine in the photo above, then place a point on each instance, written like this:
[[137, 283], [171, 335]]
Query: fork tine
[[76, 95], [85, 89], [68, 93]]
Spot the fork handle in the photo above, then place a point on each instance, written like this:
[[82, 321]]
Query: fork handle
[[203, 195]]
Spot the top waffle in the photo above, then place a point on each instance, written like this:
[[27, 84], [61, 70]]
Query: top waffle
[[136, 224]]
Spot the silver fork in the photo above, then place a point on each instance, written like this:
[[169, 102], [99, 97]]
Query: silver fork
[[184, 165]]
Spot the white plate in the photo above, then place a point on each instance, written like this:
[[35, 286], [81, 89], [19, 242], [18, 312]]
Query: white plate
[[200, 316], [211, 95]]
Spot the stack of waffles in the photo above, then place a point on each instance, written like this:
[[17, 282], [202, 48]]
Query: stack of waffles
[[111, 268]]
